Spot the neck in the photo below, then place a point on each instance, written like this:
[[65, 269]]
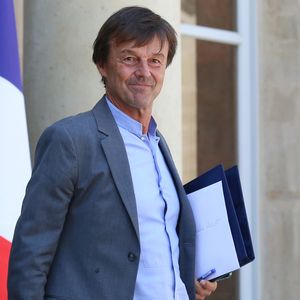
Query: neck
[[142, 115]]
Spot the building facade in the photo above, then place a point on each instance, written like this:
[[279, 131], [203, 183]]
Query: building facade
[[231, 95]]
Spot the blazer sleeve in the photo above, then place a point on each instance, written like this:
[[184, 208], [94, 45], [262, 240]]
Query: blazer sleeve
[[44, 209]]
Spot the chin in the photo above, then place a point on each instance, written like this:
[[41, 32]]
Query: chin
[[141, 105]]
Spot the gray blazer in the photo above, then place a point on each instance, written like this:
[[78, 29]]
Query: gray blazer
[[77, 237]]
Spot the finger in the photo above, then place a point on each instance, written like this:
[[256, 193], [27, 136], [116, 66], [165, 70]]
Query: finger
[[200, 288], [212, 286], [207, 287], [198, 297]]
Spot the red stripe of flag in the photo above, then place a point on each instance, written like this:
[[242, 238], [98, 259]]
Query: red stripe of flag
[[5, 246]]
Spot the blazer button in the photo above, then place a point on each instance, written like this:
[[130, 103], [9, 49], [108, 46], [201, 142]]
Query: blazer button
[[131, 256]]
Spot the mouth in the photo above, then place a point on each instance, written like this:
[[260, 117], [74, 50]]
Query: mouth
[[140, 85]]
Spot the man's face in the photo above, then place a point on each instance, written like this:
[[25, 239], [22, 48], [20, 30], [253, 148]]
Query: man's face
[[134, 75]]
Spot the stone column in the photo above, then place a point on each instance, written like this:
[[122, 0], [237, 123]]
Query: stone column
[[279, 63], [59, 76], [19, 14]]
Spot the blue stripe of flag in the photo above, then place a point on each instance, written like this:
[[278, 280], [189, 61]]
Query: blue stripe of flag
[[9, 57]]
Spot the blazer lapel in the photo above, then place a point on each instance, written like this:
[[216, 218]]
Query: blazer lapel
[[172, 168], [116, 156], [186, 224]]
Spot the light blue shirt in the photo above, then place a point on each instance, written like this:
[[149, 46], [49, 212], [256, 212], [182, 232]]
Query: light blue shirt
[[158, 209]]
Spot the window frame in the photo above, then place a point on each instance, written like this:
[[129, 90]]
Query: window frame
[[247, 123]]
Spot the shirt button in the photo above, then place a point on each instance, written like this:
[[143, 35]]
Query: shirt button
[[131, 256]]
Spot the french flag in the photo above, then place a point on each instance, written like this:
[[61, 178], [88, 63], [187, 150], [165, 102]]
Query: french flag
[[15, 166]]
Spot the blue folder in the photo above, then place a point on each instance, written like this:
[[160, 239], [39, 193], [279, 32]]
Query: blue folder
[[235, 207]]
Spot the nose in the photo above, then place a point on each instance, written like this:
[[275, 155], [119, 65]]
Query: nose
[[142, 70]]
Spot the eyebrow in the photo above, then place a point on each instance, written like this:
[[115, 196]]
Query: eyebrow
[[132, 52]]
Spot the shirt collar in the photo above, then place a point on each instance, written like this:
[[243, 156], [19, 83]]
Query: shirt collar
[[128, 123]]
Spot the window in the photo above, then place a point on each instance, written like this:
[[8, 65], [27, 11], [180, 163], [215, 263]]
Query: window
[[219, 106]]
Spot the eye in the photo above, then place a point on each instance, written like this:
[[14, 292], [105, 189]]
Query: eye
[[155, 62], [129, 60]]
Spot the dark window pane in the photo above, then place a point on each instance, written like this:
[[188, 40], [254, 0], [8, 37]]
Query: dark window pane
[[211, 13], [216, 105], [209, 106]]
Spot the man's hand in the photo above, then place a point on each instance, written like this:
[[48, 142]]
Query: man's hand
[[204, 288]]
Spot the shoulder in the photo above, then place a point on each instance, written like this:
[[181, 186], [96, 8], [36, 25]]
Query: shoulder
[[66, 130], [78, 131], [74, 124], [82, 123]]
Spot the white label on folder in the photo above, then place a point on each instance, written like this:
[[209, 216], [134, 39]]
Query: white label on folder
[[214, 243]]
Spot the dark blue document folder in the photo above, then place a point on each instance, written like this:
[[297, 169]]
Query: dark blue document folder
[[235, 207]]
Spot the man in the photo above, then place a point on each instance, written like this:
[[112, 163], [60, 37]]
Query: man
[[105, 215]]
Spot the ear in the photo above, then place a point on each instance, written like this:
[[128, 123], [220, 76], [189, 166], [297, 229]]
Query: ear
[[102, 70]]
